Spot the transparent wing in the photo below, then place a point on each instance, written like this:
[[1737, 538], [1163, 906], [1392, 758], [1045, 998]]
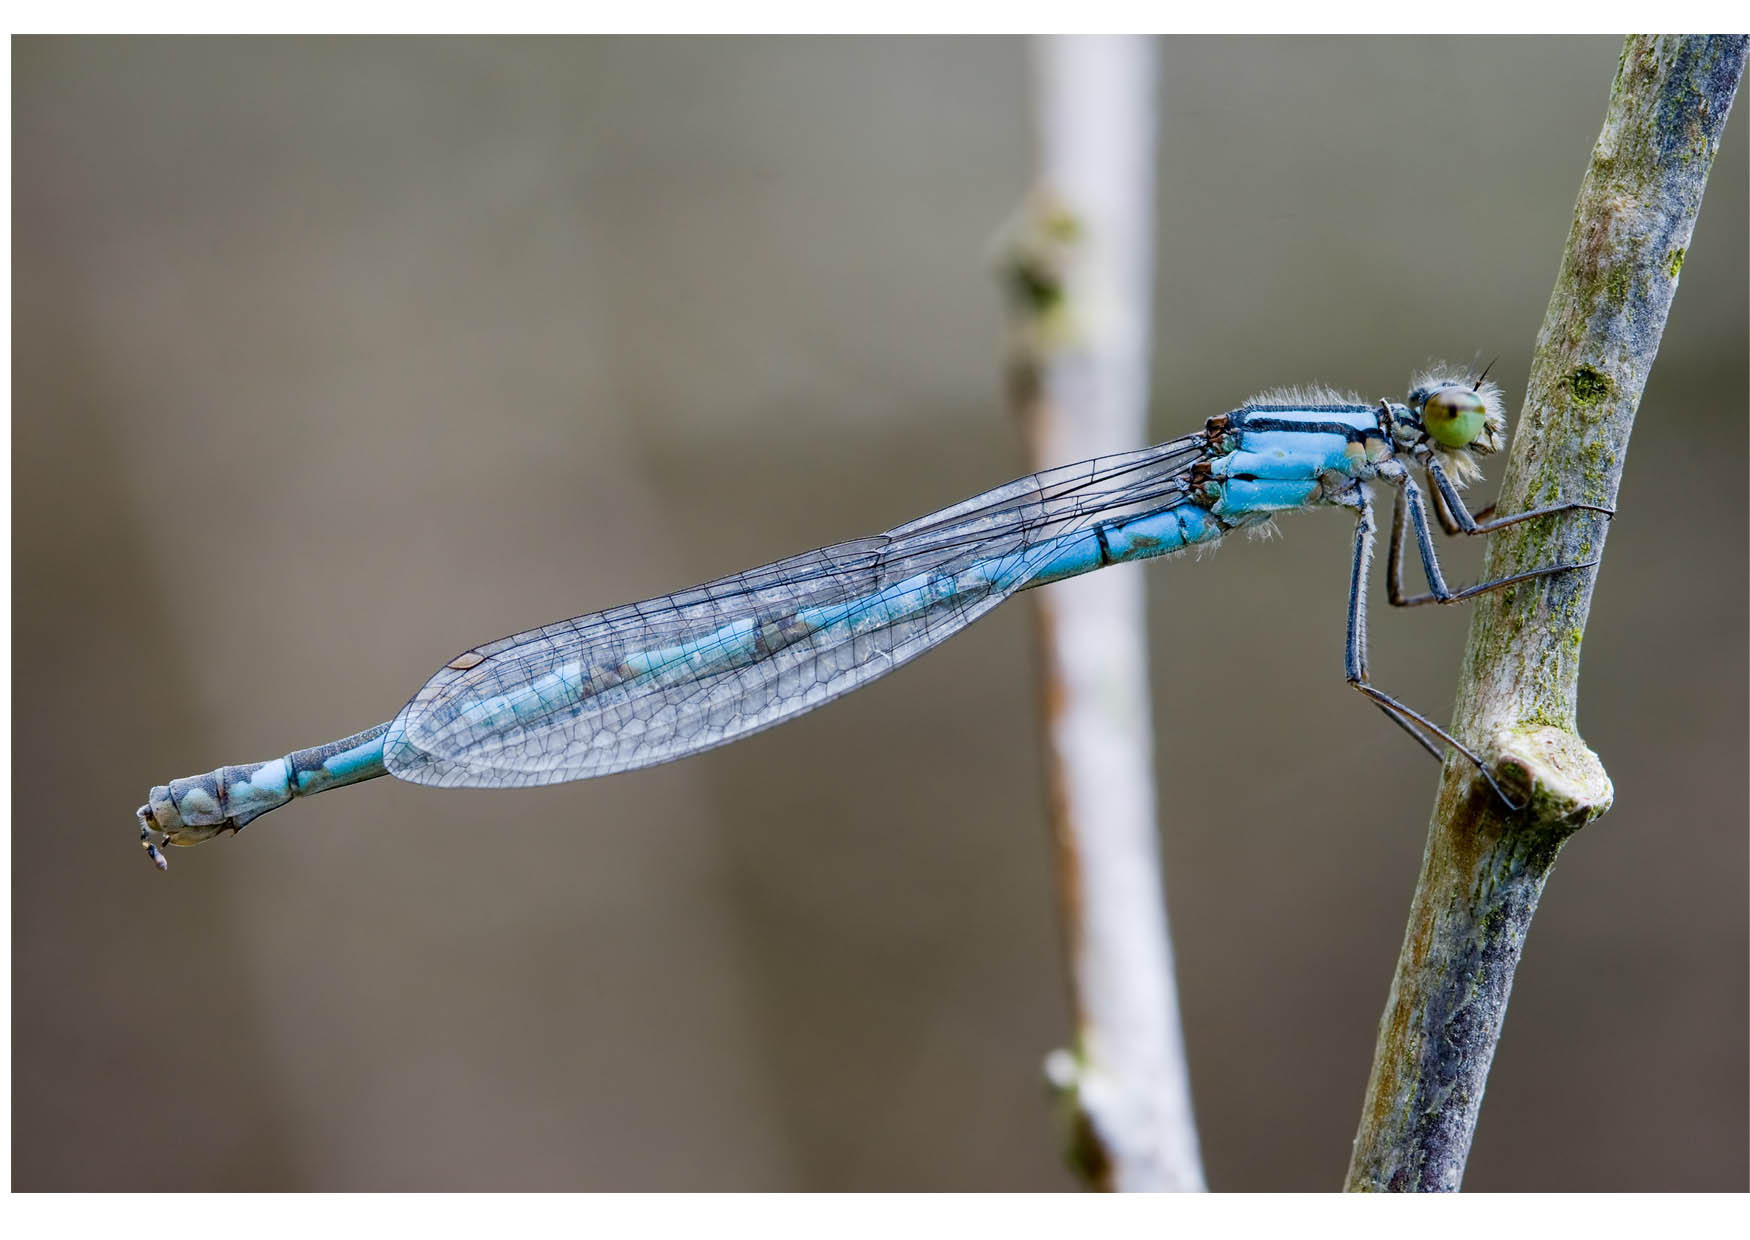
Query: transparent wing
[[657, 680]]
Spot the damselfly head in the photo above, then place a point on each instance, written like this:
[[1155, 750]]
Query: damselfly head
[[1460, 412]]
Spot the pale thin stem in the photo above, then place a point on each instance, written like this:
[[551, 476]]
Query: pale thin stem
[[1484, 869], [1078, 267]]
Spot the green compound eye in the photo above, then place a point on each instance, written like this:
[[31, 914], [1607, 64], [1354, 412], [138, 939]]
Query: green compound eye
[[1454, 417]]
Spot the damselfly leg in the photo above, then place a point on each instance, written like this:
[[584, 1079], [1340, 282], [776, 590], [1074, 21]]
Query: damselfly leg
[[1355, 652], [1409, 498], [1456, 519], [1443, 513]]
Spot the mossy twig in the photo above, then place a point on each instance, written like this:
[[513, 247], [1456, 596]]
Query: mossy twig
[[1484, 869]]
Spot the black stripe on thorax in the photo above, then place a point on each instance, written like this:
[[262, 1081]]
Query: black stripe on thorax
[[1248, 420]]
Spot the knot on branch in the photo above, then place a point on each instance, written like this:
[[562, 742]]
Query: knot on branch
[[1561, 780], [1038, 255], [1080, 1093]]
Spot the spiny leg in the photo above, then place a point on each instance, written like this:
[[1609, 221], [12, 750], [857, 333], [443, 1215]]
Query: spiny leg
[[1410, 497], [1355, 633], [1355, 655], [1394, 559], [1355, 637], [1464, 522], [1443, 511]]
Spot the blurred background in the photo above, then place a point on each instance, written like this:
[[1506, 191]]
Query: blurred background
[[334, 357]]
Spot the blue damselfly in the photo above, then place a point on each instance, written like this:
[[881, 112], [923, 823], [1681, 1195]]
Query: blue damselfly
[[652, 681]]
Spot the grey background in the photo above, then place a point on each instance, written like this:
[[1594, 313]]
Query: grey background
[[332, 358]]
